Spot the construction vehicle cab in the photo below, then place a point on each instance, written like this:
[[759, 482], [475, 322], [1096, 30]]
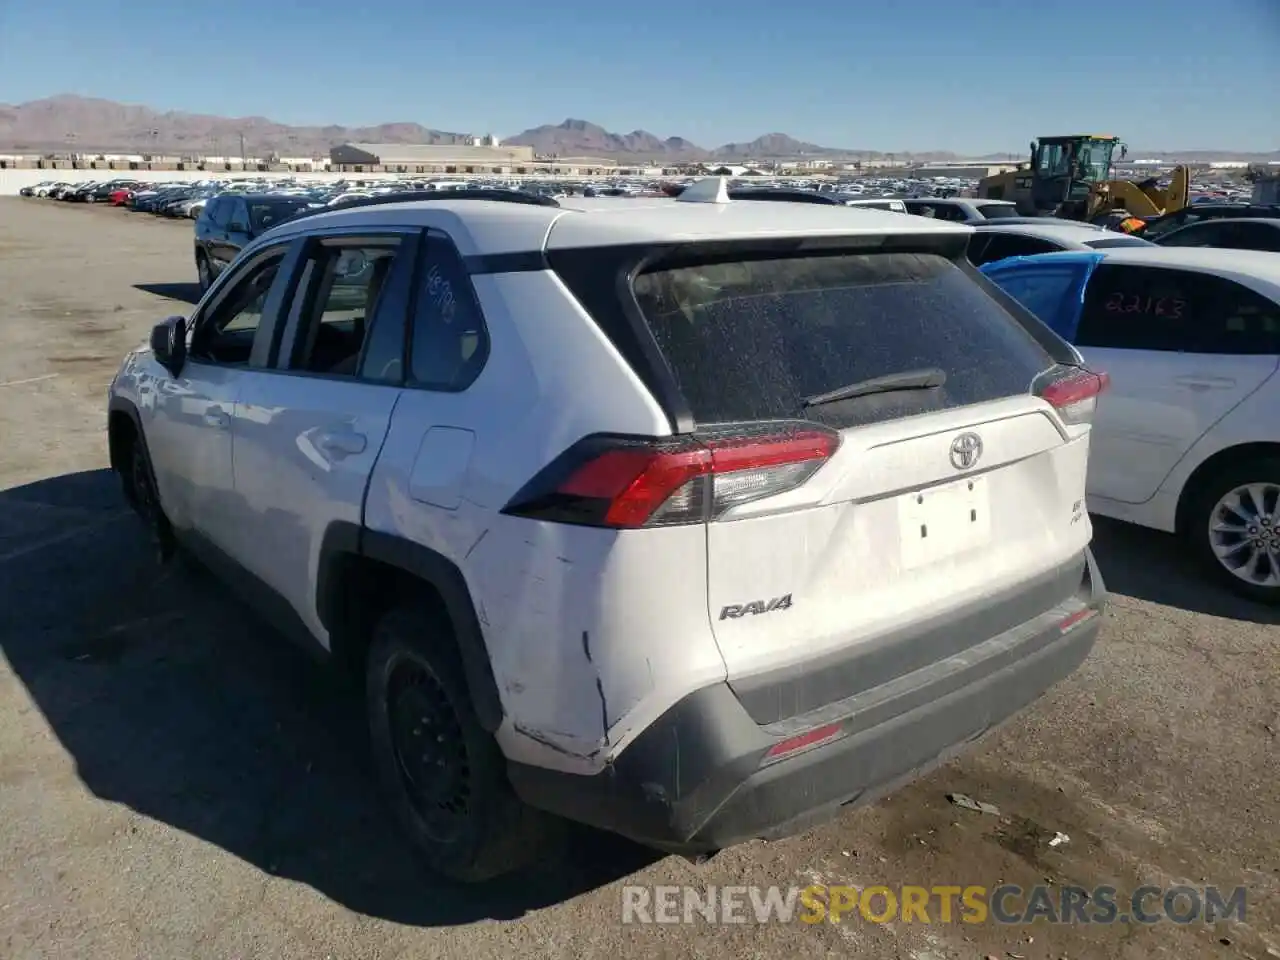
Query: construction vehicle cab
[[1060, 179], [1070, 177]]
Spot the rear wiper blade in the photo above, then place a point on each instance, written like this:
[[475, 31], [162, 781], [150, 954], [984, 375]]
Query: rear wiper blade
[[925, 379]]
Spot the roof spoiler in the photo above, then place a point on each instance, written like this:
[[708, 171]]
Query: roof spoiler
[[708, 190]]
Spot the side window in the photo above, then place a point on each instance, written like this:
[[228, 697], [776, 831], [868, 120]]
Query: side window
[[1212, 233], [342, 283], [210, 212], [1149, 308], [1255, 236], [225, 334], [988, 247], [238, 218], [221, 211], [449, 344], [1175, 221]]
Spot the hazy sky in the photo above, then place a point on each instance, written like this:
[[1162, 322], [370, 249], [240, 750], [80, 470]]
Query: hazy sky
[[965, 75]]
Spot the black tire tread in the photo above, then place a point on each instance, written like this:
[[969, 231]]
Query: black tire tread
[[506, 835]]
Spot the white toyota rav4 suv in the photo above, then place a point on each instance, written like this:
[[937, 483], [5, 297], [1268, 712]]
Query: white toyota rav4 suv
[[689, 519]]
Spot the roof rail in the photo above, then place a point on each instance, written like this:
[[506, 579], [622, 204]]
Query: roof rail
[[414, 196]]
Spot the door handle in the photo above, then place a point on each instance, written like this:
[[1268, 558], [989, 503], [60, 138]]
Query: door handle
[[341, 443], [217, 417], [1205, 383]]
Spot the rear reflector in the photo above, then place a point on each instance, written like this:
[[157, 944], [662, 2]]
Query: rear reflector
[[1077, 618], [625, 482], [1075, 395], [810, 738]]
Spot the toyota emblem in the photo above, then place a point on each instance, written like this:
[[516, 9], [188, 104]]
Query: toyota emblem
[[966, 451]]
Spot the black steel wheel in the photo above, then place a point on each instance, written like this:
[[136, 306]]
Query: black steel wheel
[[442, 774]]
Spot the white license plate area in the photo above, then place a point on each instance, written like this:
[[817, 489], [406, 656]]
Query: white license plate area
[[944, 521]]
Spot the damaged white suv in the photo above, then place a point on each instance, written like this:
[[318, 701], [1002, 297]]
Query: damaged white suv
[[689, 519]]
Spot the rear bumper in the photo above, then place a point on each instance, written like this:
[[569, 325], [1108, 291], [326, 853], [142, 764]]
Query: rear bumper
[[697, 779]]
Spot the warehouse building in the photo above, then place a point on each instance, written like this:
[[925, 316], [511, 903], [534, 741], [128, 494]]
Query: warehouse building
[[963, 171], [479, 156]]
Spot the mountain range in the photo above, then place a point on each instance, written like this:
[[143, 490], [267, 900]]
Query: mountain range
[[70, 123]]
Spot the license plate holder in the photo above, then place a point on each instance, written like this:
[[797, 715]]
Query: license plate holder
[[943, 521]]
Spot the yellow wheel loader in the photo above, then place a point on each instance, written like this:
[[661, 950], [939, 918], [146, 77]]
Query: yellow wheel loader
[[1070, 177]]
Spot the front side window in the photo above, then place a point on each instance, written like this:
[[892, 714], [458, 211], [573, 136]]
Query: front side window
[[225, 334]]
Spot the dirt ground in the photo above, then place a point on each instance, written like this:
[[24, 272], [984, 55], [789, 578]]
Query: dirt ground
[[177, 783]]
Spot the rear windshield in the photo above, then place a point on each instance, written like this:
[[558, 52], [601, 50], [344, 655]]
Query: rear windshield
[[994, 211], [751, 339], [1120, 241]]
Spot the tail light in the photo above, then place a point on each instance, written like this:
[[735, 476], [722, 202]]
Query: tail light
[[1074, 394], [628, 482]]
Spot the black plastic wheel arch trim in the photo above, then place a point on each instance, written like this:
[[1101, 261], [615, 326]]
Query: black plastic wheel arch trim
[[343, 539]]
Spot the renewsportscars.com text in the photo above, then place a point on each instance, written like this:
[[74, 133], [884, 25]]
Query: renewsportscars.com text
[[974, 904]]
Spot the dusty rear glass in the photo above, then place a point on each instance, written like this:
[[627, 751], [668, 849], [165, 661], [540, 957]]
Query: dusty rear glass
[[751, 339]]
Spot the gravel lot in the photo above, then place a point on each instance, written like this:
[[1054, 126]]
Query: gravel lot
[[176, 783]]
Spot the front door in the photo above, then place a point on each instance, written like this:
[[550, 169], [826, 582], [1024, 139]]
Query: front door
[[191, 445], [308, 431]]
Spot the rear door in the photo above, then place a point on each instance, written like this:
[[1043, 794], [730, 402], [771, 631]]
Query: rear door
[[308, 431], [934, 496], [1183, 349]]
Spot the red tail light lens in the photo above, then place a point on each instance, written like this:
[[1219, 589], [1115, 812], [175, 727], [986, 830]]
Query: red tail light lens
[[1075, 394], [626, 482]]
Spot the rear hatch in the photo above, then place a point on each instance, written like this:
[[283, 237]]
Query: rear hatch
[[895, 445]]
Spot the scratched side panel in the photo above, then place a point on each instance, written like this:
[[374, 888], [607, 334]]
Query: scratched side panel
[[600, 633]]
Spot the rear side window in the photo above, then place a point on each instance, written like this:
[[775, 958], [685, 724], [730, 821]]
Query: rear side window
[[994, 211], [751, 339], [450, 342], [989, 246], [1152, 308]]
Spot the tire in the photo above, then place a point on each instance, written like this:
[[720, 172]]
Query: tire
[[204, 275], [465, 821], [143, 495], [1260, 539]]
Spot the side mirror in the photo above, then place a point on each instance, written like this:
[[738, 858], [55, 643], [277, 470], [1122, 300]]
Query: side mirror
[[169, 344], [238, 228]]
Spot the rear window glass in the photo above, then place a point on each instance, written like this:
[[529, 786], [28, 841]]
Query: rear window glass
[[994, 211], [1118, 242], [751, 339]]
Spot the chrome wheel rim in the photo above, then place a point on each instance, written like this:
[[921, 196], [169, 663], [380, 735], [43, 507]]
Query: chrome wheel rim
[[1244, 533], [203, 269]]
